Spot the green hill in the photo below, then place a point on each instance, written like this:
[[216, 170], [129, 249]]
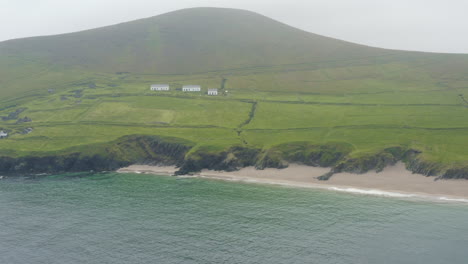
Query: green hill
[[281, 86], [187, 41]]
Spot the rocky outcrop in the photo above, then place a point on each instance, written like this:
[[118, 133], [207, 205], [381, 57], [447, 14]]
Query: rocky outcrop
[[232, 159], [153, 150], [23, 120], [377, 161], [101, 157], [337, 156], [305, 153], [13, 115], [456, 173], [424, 167]]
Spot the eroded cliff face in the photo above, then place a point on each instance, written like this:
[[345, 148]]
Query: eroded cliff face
[[456, 173], [427, 168], [153, 150], [305, 153], [377, 161], [337, 156], [101, 157], [232, 159]]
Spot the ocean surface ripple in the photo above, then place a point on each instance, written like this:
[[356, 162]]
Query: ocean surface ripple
[[130, 218]]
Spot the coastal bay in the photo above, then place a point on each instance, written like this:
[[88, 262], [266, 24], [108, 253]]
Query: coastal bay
[[392, 181], [120, 218]]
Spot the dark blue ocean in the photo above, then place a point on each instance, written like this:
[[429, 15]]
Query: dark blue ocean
[[130, 218]]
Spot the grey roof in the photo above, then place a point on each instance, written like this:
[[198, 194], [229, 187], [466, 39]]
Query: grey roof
[[160, 85], [191, 86], [213, 90]]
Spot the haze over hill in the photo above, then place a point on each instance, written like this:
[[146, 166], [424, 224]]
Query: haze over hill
[[190, 40], [285, 85], [201, 40]]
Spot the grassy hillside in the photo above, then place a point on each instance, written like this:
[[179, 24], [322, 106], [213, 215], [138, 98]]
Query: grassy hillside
[[281, 85], [186, 41]]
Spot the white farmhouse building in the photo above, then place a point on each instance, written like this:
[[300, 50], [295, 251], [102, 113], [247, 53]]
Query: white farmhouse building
[[3, 134], [191, 88], [159, 87], [212, 91]]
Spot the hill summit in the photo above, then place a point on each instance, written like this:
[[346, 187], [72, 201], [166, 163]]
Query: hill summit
[[187, 41]]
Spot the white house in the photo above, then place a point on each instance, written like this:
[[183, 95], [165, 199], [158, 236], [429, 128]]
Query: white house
[[191, 88], [212, 91], [159, 87], [3, 134]]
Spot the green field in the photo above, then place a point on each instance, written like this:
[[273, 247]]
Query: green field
[[307, 89], [369, 124]]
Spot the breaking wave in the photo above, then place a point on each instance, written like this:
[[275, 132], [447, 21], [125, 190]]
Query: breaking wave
[[373, 192], [453, 199]]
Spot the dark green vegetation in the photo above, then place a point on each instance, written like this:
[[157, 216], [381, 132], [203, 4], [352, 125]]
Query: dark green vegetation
[[288, 96]]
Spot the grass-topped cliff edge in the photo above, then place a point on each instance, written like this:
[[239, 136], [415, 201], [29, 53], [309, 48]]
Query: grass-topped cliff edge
[[285, 96]]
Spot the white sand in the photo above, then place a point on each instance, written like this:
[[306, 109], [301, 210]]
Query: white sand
[[393, 181], [146, 169]]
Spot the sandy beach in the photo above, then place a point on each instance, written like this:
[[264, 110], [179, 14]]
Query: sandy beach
[[393, 181], [146, 169]]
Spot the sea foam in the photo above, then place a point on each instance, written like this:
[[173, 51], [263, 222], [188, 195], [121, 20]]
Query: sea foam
[[373, 192], [453, 199], [397, 194]]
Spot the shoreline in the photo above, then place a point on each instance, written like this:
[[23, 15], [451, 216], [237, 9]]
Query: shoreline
[[393, 181]]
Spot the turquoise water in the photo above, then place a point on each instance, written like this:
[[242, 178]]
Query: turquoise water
[[129, 218]]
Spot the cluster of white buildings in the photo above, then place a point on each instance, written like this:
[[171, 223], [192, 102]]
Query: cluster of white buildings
[[191, 88], [212, 91], [185, 88], [160, 87], [3, 134]]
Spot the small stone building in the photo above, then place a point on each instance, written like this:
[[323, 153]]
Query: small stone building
[[160, 87], [212, 91], [191, 88]]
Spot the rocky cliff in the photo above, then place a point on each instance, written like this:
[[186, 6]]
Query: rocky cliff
[[153, 150]]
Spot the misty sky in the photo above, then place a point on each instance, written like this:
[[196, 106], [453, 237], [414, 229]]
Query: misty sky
[[426, 25]]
